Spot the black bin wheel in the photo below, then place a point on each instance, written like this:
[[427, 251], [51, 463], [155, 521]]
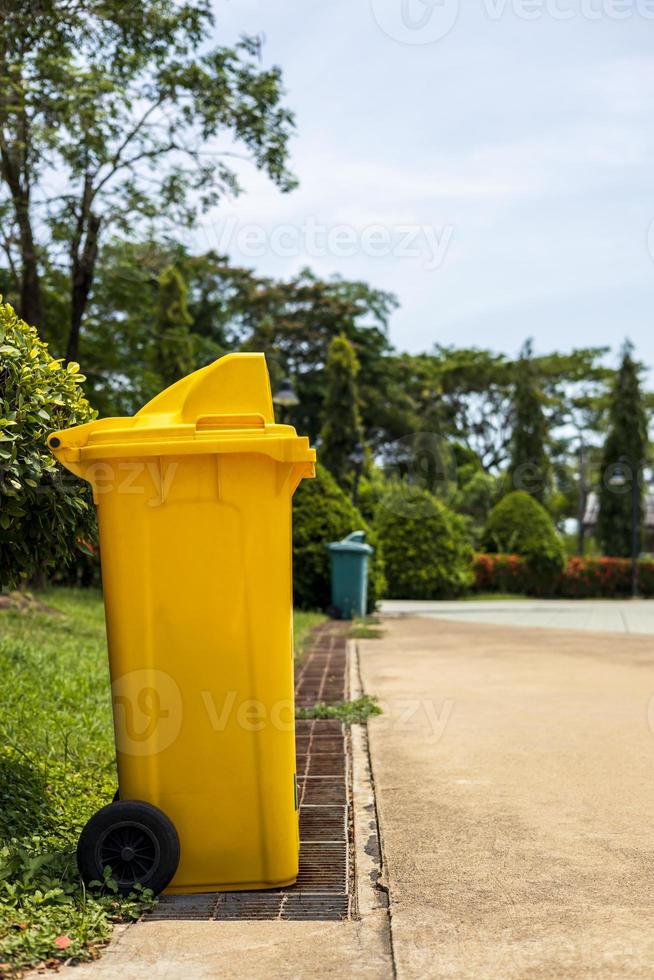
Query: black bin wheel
[[136, 840]]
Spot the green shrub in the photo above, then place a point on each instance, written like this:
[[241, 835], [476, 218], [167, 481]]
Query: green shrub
[[43, 511], [582, 578], [605, 578], [323, 513], [427, 554], [508, 575], [519, 525]]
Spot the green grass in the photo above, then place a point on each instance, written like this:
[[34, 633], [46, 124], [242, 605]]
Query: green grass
[[57, 767], [303, 623], [367, 628], [350, 712]]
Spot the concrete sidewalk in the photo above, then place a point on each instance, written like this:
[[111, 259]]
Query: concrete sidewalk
[[514, 772], [596, 615]]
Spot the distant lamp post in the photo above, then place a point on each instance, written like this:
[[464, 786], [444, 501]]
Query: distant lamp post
[[582, 499], [618, 479], [357, 456], [286, 396]]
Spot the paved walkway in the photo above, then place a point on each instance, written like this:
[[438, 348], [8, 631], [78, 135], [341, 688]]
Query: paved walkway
[[597, 615], [514, 772]]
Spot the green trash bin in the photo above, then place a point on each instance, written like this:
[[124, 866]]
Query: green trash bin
[[349, 559]]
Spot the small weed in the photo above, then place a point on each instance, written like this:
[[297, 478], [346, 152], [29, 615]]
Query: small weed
[[349, 712], [367, 628], [303, 623], [46, 914], [365, 632]]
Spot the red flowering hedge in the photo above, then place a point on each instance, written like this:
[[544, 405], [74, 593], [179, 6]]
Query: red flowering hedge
[[582, 578]]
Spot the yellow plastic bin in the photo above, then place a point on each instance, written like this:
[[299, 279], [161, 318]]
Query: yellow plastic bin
[[194, 509]]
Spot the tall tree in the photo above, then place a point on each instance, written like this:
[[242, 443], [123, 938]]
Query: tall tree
[[342, 432], [530, 465], [127, 112], [173, 341], [624, 454]]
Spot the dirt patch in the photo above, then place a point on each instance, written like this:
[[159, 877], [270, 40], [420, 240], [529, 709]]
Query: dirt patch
[[25, 602]]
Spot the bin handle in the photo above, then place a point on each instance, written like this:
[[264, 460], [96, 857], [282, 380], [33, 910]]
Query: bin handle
[[213, 422]]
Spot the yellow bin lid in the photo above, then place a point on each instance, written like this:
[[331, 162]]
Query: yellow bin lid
[[225, 407]]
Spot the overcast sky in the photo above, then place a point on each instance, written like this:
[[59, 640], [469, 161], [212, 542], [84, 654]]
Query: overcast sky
[[492, 165]]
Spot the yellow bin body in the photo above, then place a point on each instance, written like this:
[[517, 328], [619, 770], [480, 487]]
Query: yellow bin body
[[194, 509]]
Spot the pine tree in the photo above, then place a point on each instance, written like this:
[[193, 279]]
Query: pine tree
[[173, 339], [530, 465], [342, 431], [624, 453]]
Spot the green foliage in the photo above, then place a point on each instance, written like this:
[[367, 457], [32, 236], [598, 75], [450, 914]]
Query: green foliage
[[530, 466], [625, 448], [468, 395], [519, 525], [232, 308], [474, 491], [460, 397], [43, 511], [372, 487], [427, 553], [342, 431], [173, 340], [56, 768], [354, 712], [295, 322], [122, 103], [45, 915], [323, 513]]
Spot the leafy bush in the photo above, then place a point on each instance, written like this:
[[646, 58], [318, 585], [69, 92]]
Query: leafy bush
[[323, 513], [42, 511], [519, 525], [602, 578], [582, 578], [507, 573], [427, 554]]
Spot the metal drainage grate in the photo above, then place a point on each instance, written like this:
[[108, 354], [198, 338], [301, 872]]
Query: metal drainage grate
[[322, 890], [321, 765], [324, 790], [281, 905], [321, 824], [184, 907]]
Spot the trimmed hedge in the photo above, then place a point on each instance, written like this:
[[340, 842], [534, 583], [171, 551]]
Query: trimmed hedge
[[323, 513], [582, 578], [519, 525], [43, 510], [427, 552], [599, 578]]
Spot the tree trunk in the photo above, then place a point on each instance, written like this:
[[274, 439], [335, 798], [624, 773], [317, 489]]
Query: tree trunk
[[83, 269], [30, 289]]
